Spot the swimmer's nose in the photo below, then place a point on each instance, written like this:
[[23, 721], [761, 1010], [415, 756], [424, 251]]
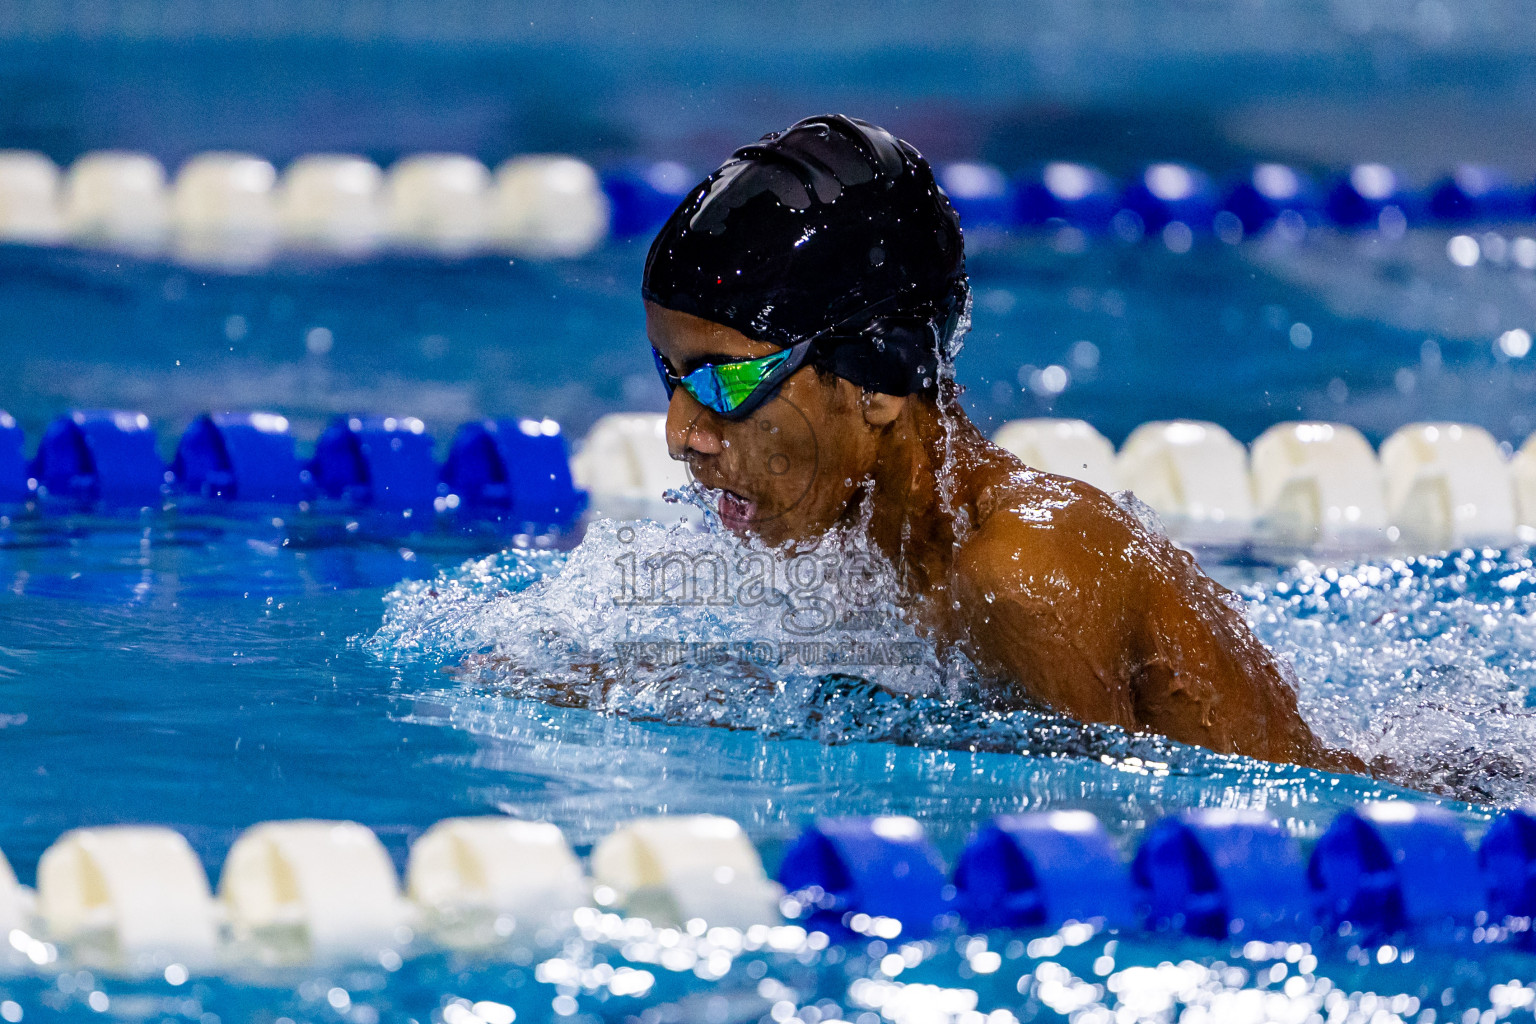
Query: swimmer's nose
[[691, 428]]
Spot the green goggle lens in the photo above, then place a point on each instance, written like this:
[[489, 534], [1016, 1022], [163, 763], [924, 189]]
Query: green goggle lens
[[733, 389]]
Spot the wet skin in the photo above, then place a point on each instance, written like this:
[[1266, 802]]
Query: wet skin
[[1055, 592]]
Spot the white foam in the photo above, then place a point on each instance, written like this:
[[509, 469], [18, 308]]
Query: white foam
[[667, 620], [1421, 662]]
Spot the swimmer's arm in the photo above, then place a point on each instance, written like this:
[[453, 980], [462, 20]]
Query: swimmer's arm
[[1239, 699], [1022, 633]]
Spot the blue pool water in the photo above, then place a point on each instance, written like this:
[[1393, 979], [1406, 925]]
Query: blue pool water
[[207, 669], [207, 672], [1394, 332], [232, 677]]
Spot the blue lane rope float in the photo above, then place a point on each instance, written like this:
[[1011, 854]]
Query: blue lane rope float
[[13, 461], [515, 470], [841, 868], [980, 193], [1379, 870], [1083, 196], [1386, 867], [1508, 860], [643, 194], [239, 457], [1041, 871], [638, 196], [1216, 873], [1169, 192], [99, 456], [1385, 872], [1476, 193], [1077, 194], [379, 462], [1362, 194], [1267, 191]]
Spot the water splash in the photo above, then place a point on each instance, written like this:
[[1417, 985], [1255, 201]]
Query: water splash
[[660, 623], [951, 416], [652, 612], [1425, 662]]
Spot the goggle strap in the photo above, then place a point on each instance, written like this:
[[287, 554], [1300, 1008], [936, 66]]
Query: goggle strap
[[668, 380]]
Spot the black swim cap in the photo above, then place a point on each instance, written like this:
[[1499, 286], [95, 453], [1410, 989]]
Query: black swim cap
[[834, 227]]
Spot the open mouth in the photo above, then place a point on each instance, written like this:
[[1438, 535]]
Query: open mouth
[[736, 512]]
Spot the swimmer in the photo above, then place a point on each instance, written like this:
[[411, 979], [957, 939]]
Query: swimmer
[[804, 305]]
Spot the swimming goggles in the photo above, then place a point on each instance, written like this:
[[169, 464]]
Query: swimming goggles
[[734, 390]]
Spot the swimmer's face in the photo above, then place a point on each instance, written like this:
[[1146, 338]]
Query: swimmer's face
[[791, 468]]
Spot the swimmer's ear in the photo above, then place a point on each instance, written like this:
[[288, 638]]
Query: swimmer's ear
[[881, 410]]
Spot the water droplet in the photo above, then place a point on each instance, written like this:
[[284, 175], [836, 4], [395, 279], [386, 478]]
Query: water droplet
[[990, 597]]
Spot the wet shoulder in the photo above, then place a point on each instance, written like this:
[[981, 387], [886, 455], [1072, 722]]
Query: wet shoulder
[[1033, 500], [1035, 524]]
